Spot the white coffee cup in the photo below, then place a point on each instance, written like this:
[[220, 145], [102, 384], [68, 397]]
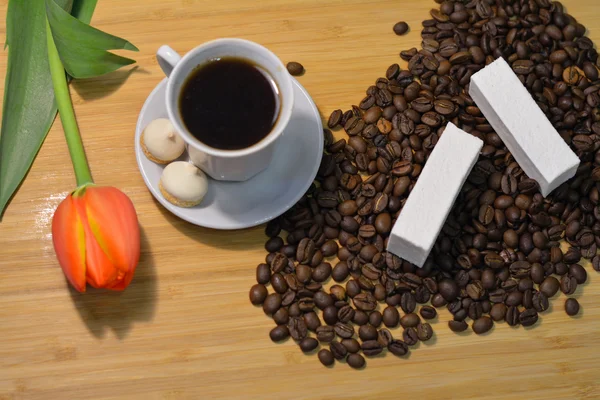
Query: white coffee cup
[[227, 165]]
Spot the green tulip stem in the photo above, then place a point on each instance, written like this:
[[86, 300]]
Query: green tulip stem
[[67, 115]]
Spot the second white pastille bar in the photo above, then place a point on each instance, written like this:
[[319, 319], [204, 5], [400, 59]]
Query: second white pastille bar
[[431, 200], [538, 148]]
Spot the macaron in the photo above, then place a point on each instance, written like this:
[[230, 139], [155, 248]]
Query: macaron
[[183, 184], [161, 143]]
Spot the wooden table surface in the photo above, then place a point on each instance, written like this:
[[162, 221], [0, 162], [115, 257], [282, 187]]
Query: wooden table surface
[[185, 329]]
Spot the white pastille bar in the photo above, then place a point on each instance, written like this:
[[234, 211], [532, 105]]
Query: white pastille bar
[[433, 196], [538, 148]]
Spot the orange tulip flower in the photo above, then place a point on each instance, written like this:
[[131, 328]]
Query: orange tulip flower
[[97, 238], [95, 229]]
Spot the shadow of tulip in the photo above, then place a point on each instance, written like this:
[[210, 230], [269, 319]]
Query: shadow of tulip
[[96, 88], [104, 310]]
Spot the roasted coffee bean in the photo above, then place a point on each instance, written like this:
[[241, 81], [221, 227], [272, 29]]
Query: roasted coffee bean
[[428, 312], [326, 357], [409, 320], [295, 68], [578, 272], [272, 303], [400, 28], [258, 294], [356, 361], [528, 317], [448, 289], [364, 301], [279, 333], [498, 312], [330, 315], [338, 350], [263, 273], [424, 331], [549, 286], [457, 326], [360, 318], [512, 316], [568, 284], [325, 334], [308, 344], [408, 302], [482, 325], [438, 300], [297, 327], [410, 337], [571, 307], [335, 118], [344, 330], [391, 317], [397, 348], [371, 348], [540, 302]]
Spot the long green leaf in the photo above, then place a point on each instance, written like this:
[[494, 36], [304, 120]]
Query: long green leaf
[[82, 48], [83, 10], [29, 109]]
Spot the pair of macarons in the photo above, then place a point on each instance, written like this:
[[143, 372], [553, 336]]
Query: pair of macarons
[[181, 183]]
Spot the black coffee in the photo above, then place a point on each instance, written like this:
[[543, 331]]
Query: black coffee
[[229, 104]]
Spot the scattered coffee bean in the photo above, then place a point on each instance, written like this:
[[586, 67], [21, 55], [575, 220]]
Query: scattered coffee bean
[[295, 68], [400, 28], [424, 331], [571, 307], [326, 357], [482, 325], [308, 344], [428, 312], [279, 333], [502, 238], [356, 361]]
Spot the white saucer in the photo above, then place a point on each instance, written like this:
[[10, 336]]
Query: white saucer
[[237, 205]]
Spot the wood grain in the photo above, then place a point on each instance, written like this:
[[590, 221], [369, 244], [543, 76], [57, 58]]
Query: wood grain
[[185, 329]]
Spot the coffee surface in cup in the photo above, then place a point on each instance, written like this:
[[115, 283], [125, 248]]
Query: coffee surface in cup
[[229, 103]]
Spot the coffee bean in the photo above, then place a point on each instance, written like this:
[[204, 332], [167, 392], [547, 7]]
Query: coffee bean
[[325, 333], [409, 320], [571, 307], [428, 312], [438, 300], [351, 345], [482, 325], [448, 289], [549, 286], [335, 118], [410, 337], [360, 318], [295, 68], [308, 344], [356, 361], [263, 274], [568, 284], [365, 301], [338, 350], [408, 302], [330, 315], [279, 333], [512, 316], [457, 326], [272, 303], [343, 330], [578, 272], [424, 331], [498, 312], [400, 28], [258, 294], [528, 317], [326, 357], [391, 317]]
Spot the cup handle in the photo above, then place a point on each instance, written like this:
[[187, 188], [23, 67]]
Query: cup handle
[[167, 59]]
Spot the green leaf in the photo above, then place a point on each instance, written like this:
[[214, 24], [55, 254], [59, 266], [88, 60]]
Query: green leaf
[[28, 110], [28, 86], [83, 10], [82, 48]]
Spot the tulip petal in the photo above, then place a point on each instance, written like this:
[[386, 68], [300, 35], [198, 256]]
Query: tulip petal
[[68, 238], [113, 221], [100, 272]]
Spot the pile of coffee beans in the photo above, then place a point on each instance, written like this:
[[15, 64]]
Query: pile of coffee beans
[[504, 251]]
